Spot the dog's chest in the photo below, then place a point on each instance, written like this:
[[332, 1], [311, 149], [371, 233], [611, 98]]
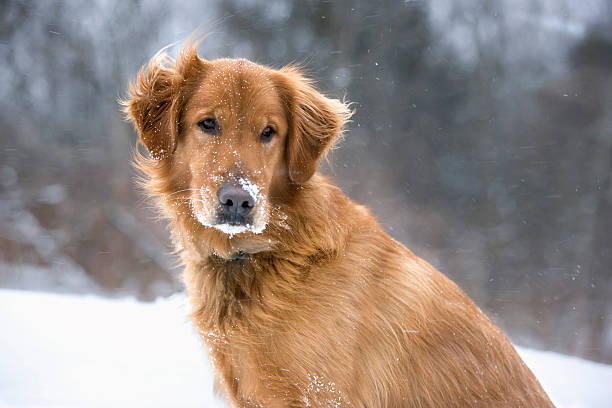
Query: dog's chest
[[261, 336], [267, 371], [232, 291]]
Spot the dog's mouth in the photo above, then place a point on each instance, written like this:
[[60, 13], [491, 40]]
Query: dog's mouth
[[232, 224], [234, 220]]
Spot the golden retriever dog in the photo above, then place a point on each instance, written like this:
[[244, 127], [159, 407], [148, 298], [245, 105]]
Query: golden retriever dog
[[300, 296]]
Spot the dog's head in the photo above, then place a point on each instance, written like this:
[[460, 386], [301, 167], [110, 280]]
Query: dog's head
[[229, 137]]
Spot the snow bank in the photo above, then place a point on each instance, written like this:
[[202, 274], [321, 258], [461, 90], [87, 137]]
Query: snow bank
[[80, 351], [72, 351]]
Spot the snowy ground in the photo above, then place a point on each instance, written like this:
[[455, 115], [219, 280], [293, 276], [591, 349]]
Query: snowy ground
[[78, 351]]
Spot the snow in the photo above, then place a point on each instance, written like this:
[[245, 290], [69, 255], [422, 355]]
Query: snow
[[85, 351], [571, 382], [249, 187], [260, 221], [230, 229]]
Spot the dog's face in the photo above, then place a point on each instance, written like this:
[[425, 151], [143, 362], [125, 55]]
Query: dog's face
[[230, 137], [233, 142]]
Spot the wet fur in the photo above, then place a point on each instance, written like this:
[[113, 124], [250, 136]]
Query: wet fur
[[322, 308]]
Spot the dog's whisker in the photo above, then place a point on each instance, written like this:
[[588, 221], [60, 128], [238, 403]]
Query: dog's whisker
[[182, 191]]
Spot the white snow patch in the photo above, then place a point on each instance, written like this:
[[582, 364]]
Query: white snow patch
[[229, 229], [206, 217], [84, 351], [249, 187], [571, 382]]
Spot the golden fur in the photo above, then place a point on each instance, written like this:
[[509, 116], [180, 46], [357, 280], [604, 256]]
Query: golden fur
[[319, 307]]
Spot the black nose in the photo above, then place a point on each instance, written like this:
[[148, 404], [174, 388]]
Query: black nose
[[235, 200]]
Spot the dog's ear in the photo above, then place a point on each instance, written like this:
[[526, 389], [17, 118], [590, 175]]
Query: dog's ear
[[156, 98], [315, 123], [151, 107]]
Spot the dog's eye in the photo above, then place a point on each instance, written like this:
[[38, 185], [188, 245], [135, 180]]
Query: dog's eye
[[209, 125], [267, 134]]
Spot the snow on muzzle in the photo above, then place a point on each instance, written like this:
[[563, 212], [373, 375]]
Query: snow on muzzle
[[240, 207]]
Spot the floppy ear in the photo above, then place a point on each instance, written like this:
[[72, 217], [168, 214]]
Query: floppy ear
[[152, 106], [315, 122]]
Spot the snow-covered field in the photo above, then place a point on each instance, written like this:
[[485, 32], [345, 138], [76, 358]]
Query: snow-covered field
[[82, 351]]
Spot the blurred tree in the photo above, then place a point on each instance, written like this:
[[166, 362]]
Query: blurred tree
[[481, 139]]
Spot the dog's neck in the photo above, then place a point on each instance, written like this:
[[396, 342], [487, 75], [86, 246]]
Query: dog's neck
[[231, 278]]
